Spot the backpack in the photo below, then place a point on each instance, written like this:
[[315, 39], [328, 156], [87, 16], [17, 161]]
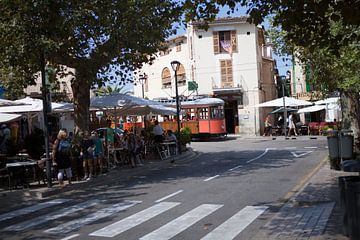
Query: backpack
[[64, 147]]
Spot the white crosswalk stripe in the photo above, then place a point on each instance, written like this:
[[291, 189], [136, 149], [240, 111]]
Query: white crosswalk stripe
[[102, 213], [227, 230], [181, 223], [51, 216], [31, 209], [236, 224], [134, 220]]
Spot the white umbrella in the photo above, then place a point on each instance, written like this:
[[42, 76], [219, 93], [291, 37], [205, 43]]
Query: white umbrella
[[289, 102], [332, 100], [6, 117], [4, 102], [27, 105], [314, 108]]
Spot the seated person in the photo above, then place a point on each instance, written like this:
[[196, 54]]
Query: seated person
[[170, 136]]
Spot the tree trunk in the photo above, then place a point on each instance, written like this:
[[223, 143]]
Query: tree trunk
[[355, 117], [81, 92]]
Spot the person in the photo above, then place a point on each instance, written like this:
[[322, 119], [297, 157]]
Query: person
[[5, 137], [87, 152], [268, 127], [172, 138], [61, 156], [98, 152], [158, 132], [291, 124]]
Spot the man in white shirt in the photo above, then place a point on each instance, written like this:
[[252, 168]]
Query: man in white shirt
[[158, 132]]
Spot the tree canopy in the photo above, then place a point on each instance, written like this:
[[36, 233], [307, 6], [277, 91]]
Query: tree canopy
[[93, 37]]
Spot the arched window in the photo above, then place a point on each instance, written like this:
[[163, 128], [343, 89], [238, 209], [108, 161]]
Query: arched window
[[166, 78], [181, 76]]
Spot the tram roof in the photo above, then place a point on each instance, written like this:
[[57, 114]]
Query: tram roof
[[195, 102]]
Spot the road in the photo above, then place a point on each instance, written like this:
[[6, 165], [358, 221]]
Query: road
[[229, 191]]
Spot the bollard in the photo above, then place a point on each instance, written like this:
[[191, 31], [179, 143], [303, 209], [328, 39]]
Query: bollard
[[342, 196], [352, 200]]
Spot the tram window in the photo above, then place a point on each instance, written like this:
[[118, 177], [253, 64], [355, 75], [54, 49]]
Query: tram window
[[217, 112], [203, 113]]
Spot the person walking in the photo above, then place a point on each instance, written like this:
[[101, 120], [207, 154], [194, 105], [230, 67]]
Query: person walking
[[61, 156], [87, 152], [291, 125], [268, 127], [98, 153]]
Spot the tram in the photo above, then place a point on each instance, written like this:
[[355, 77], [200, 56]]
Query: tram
[[204, 117]]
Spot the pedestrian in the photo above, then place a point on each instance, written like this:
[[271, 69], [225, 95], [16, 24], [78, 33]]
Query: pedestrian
[[87, 152], [291, 125], [268, 127], [61, 156], [5, 138], [158, 132], [98, 153]]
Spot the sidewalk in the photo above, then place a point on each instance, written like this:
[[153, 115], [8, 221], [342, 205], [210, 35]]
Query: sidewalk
[[13, 198], [312, 213]]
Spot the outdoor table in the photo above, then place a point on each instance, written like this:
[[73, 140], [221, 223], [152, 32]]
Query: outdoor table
[[18, 171], [167, 145]]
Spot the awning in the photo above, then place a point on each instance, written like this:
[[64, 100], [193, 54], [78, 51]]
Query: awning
[[289, 102], [314, 108], [6, 117]]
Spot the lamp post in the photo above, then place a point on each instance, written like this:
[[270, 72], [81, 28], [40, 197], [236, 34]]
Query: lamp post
[[175, 66], [142, 80]]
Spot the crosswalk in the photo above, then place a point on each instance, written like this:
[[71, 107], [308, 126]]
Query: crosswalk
[[96, 210]]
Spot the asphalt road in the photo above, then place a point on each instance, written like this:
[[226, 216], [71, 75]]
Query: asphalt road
[[228, 192]]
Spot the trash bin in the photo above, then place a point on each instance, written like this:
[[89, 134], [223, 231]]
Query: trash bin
[[342, 196], [346, 141], [352, 200], [333, 144]]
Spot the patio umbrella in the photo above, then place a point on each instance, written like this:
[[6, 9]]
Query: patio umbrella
[[7, 117], [314, 108], [289, 102], [4, 102], [120, 100], [149, 109], [281, 110]]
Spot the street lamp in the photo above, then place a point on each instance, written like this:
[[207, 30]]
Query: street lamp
[[175, 66], [142, 80]]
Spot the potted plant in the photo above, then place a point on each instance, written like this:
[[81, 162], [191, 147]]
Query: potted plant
[[185, 137]]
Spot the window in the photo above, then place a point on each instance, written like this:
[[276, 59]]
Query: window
[[222, 39], [181, 76], [226, 73], [178, 47], [166, 78], [217, 112], [203, 113]]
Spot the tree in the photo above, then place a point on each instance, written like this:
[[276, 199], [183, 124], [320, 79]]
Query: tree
[[109, 90], [92, 37]]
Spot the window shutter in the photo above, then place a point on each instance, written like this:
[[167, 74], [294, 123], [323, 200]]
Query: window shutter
[[216, 42], [233, 41], [226, 73]]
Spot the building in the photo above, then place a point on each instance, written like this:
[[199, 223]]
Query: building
[[231, 60]]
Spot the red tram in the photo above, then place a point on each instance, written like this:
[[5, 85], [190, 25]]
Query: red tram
[[204, 117]]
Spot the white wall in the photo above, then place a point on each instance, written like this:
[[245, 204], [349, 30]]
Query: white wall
[[246, 69]]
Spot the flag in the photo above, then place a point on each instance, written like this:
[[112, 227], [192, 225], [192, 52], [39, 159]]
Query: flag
[[227, 46]]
